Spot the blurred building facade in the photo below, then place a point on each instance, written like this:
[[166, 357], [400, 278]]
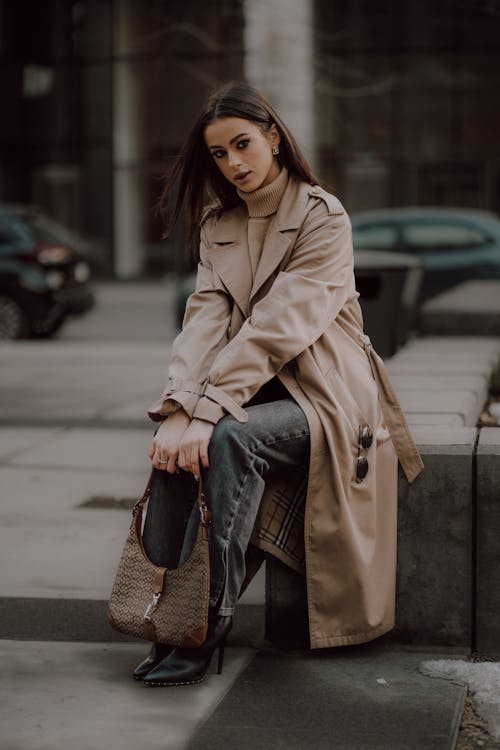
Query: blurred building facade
[[393, 102]]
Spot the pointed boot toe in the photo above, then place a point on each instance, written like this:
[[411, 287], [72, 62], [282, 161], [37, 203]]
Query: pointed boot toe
[[157, 654]]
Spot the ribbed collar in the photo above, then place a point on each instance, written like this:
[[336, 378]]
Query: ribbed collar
[[265, 200]]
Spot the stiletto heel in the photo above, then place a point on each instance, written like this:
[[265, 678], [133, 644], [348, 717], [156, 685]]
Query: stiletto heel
[[221, 657]]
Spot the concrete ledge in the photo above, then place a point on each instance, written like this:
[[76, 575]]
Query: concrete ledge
[[442, 384], [442, 355], [487, 541], [434, 580], [427, 397], [464, 404], [448, 347], [286, 606], [444, 380], [436, 523], [473, 307]]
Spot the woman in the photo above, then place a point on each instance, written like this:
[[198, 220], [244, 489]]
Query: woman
[[274, 393]]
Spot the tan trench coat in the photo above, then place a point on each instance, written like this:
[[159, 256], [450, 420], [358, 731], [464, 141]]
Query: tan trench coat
[[300, 319]]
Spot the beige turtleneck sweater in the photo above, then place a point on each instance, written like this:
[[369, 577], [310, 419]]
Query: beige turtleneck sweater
[[262, 204]]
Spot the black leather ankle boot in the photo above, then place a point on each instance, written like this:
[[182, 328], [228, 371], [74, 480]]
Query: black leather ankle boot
[[187, 666], [157, 653]]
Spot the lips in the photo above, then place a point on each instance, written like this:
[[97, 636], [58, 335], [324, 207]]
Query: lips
[[241, 176]]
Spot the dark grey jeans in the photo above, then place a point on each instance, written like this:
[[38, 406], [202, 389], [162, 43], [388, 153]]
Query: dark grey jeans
[[241, 457]]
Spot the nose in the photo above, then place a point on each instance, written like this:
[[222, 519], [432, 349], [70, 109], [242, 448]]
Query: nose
[[234, 159]]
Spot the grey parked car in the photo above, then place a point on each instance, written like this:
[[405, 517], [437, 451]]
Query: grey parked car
[[453, 244]]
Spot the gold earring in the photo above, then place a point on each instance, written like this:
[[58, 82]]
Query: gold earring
[[276, 150]]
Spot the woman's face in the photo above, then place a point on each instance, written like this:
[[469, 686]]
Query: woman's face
[[243, 152]]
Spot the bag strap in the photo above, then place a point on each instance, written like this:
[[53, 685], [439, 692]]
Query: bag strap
[[205, 514]]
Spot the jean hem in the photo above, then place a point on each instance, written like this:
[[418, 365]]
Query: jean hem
[[225, 611]]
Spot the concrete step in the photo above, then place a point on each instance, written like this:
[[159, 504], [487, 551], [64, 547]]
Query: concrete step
[[64, 619], [363, 697]]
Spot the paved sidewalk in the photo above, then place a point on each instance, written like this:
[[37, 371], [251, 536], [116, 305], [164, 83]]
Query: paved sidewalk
[[63, 383], [80, 696]]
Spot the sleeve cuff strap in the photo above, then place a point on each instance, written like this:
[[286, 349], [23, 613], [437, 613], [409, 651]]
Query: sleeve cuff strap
[[208, 410], [220, 397], [176, 385]]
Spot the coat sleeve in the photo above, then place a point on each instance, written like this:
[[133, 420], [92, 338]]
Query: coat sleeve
[[303, 301], [204, 333]]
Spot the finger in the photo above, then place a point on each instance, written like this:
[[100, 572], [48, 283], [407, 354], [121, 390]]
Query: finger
[[195, 464], [152, 450], [204, 455], [182, 460], [172, 463], [160, 462]]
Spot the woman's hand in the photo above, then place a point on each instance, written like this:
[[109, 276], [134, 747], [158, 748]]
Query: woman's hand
[[164, 449], [194, 446]]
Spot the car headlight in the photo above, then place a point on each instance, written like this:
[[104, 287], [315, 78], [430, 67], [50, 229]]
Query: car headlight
[[49, 256], [81, 272]]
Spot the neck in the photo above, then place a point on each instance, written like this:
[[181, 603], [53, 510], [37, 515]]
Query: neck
[[265, 200]]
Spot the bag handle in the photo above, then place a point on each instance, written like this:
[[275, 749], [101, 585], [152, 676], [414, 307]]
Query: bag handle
[[205, 514]]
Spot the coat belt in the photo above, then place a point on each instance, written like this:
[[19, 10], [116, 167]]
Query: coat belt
[[404, 445]]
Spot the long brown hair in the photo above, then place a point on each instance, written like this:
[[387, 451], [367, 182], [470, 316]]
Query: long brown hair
[[195, 173]]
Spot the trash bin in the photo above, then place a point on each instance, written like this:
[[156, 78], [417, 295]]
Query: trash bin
[[388, 286]]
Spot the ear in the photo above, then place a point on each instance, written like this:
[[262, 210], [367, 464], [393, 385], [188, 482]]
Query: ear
[[274, 135]]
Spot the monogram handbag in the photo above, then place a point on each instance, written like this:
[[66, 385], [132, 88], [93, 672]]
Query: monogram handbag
[[156, 603]]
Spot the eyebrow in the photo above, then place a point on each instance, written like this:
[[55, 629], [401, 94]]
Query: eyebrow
[[230, 142]]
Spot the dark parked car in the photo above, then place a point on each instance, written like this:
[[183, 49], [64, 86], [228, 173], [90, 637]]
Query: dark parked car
[[453, 244], [44, 274]]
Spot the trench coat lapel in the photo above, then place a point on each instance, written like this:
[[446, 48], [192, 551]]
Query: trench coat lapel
[[229, 248], [275, 247], [230, 258], [281, 232]]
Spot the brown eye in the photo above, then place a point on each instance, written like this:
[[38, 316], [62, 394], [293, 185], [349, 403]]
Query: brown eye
[[243, 144]]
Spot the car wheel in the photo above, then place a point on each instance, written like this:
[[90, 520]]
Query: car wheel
[[48, 328], [13, 321]]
